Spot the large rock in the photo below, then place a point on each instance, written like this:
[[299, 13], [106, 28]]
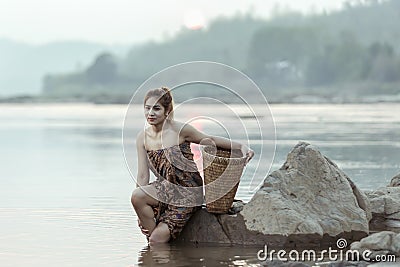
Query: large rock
[[204, 227], [309, 194], [309, 200]]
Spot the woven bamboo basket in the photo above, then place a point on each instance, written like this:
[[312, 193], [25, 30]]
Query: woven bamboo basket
[[222, 171]]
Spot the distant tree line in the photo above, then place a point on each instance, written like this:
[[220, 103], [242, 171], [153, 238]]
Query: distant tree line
[[302, 56], [290, 53]]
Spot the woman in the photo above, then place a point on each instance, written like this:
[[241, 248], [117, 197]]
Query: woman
[[164, 147]]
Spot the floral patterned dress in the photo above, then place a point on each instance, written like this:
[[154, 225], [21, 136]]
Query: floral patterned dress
[[178, 185]]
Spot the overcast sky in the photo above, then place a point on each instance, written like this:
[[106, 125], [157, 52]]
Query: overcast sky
[[127, 21]]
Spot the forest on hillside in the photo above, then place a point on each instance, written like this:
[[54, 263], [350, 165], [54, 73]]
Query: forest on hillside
[[345, 56]]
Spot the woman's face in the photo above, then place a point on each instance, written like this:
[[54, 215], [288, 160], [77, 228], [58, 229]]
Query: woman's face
[[154, 111]]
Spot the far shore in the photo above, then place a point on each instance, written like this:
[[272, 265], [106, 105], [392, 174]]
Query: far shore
[[124, 99]]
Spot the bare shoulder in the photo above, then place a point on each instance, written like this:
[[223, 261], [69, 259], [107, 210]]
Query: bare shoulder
[[140, 138], [145, 131], [181, 127]]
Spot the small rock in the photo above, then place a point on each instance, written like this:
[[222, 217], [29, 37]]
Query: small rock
[[395, 247], [385, 205], [381, 243], [237, 206], [378, 241], [395, 181]]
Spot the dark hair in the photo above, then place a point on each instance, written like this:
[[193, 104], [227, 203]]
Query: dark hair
[[164, 98]]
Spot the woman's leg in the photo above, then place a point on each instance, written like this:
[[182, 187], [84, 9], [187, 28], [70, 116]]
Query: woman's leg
[[142, 203], [160, 234]]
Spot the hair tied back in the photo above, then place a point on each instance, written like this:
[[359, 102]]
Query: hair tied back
[[166, 89]]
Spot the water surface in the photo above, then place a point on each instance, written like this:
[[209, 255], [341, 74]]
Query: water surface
[[65, 188]]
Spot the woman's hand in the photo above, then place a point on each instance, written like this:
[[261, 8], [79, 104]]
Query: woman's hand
[[144, 231], [248, 152]]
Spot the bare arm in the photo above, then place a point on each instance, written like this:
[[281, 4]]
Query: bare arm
[[191, 134], [143, 174]]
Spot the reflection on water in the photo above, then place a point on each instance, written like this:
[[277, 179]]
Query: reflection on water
[[200, 255], [65, 189]]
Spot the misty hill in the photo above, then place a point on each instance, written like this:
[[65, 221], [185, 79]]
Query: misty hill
[[23, 66], [343, 55]]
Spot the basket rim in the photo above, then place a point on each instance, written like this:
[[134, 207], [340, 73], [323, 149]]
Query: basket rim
[[204, 148]]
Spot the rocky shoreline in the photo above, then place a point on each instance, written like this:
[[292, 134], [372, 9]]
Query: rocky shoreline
[[308, 203]]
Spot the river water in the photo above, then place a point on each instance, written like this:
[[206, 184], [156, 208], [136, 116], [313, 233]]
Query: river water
[[65, 187]]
